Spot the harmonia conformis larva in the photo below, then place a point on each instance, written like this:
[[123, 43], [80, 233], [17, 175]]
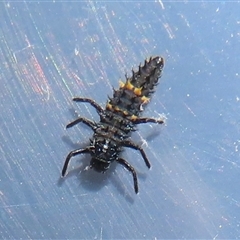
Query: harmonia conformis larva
[[119, 118]]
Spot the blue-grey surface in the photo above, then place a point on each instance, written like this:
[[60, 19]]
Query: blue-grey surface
[[50, 52]]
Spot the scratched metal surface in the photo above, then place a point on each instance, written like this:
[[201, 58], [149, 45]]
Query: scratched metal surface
[[51, 52]]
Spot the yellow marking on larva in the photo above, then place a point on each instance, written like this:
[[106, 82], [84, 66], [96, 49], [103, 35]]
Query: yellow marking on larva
[[109, 106], [129, 86], [134, 117], [122, 84], [145, 99], [138, 91], [125, 113], [117, 108]]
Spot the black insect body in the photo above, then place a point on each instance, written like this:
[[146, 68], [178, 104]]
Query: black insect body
[[119, 118]]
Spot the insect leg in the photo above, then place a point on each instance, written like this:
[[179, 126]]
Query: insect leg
[[74, 153], [148, 120], [133, 145], [130, 168], [89, 123], [88, 100]]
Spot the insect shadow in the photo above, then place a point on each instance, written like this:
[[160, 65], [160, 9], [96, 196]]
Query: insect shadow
[[153, 134]]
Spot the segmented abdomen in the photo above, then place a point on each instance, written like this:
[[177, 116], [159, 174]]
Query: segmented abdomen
[[127, 102]]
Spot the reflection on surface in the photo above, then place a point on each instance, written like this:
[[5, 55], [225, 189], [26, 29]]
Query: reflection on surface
[[53, 51]]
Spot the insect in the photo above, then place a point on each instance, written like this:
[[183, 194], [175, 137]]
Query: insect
[[119, 119]]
